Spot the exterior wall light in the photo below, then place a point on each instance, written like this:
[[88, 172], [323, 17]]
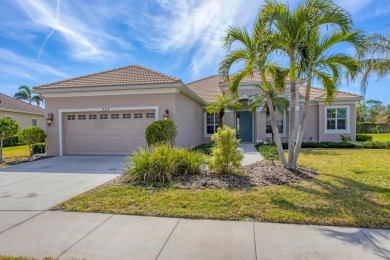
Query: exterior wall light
[[166, 115], [49, 119]]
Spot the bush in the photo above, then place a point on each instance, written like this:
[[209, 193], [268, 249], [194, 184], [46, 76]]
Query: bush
[[204, 148], [345, 138], [39, 148], [269, 151], [32, 135], [161, 163], [161, 132], [12, 141], [224, 155], [326, 144], [363, 138], [364, 127]]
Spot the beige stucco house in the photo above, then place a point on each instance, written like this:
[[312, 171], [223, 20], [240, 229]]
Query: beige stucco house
[[25, 114], [107, 113]]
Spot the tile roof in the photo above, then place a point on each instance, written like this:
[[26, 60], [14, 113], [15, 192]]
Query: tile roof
[[209, 88], [130, 75], [10, 103]]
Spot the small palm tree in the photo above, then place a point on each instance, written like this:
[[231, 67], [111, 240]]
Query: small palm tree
[[221, 104], [25, 94], [279, 102], [376, 58]]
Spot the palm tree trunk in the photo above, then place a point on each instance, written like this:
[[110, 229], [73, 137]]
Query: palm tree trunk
[[275, 130], [1, 149], [220, 116], [292, 115], [302, 123]]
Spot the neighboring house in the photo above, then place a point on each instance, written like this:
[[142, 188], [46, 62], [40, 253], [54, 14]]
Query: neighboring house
[[107, 113], [25, 114]]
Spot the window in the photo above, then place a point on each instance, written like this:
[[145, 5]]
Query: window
[[149, 115], [336, 118], [71, 117], [126, 116], [34, 122], [280, 122], [103, 116], [92, 117], [81, 117], [211, 123], [114, 116], [138, 115]]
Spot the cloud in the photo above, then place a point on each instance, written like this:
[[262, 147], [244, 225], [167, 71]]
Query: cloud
[[195, 27]]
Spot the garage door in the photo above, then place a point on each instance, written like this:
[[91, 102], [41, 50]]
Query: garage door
[[105, 133]]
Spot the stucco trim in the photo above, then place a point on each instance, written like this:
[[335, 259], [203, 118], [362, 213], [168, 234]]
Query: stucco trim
[[97, 109], [346, 131], [21, 112]]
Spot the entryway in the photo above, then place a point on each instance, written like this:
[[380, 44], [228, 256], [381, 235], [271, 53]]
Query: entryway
[[244, 126]]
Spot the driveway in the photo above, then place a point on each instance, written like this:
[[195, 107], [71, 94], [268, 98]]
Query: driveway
[[40, 185]]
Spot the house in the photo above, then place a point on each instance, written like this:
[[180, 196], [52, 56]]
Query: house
[[25, 114], [107, 113]]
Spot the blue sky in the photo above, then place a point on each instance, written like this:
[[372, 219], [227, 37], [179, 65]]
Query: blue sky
[[45, 41]]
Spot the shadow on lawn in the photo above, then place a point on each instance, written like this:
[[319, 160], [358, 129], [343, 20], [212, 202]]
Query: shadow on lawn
[[343, 197]]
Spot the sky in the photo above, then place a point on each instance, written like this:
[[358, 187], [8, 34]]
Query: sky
[[43, 41]]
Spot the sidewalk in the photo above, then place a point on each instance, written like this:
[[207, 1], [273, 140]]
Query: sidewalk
[[251, 155], [104, 236]]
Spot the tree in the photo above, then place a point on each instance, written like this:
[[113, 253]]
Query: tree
[[376, 58], [8, 128], [317, 61], [25, 94], [221, 104], [32, 135], [291, 30], [279, 103], [254, 55]]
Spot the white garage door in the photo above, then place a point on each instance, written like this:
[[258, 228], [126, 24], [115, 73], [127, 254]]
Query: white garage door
[[105, 133]]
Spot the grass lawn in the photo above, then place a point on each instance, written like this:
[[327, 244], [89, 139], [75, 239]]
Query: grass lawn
[[384, 137], [15, 151], [353, 189]]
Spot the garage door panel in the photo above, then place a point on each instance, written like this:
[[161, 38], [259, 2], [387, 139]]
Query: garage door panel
[[104, 136]]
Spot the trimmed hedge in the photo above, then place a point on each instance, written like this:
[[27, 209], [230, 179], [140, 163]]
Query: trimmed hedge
[[161, 132], [12, 141], [363, 145], [39, 148], [363, 138], [363, 127]]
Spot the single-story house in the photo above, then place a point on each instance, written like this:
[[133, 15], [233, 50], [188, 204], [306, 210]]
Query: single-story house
[[107, 113], [25, 114]]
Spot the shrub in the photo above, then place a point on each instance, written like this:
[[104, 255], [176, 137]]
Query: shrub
[[162, 162], [163, 131], [32, 135], [363, 138], [39, 148], [224, 155], [345, 138], [269, 151], [205, 148], [364, 127], [12, 141]]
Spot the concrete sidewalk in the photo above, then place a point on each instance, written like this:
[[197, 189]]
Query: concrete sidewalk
[[251, 155], [104, 236]]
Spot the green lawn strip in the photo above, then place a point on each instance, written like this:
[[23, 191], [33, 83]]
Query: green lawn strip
[[383, 137], [15, 152], [353, 189]]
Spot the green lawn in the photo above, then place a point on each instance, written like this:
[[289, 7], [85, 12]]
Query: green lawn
[[353, 189], [15, 151], [384, 137]]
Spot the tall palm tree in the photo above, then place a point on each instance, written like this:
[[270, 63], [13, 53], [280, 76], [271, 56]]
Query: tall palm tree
[[254, 54], [26, 94], [291, 29], [318, 62], [221, 104], [376, 59], [279, 102]]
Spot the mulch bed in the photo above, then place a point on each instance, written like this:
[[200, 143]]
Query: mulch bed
[[19, 160], [259, 174]]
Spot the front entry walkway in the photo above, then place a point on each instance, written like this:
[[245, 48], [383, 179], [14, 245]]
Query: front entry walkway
[[251, 155]]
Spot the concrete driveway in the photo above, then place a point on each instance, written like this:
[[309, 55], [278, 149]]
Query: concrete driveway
[[42, 184]]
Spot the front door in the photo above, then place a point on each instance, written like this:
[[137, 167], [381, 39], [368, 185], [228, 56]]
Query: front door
[[244, 125]]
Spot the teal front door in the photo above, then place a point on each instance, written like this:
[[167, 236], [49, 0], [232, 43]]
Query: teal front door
[[244, 126]]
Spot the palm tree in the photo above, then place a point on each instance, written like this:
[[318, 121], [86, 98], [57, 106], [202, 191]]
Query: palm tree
[[318, 62], [254, 54], [291, 29], [376, 58], [279, 102], [25, 94], [221, 104]]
